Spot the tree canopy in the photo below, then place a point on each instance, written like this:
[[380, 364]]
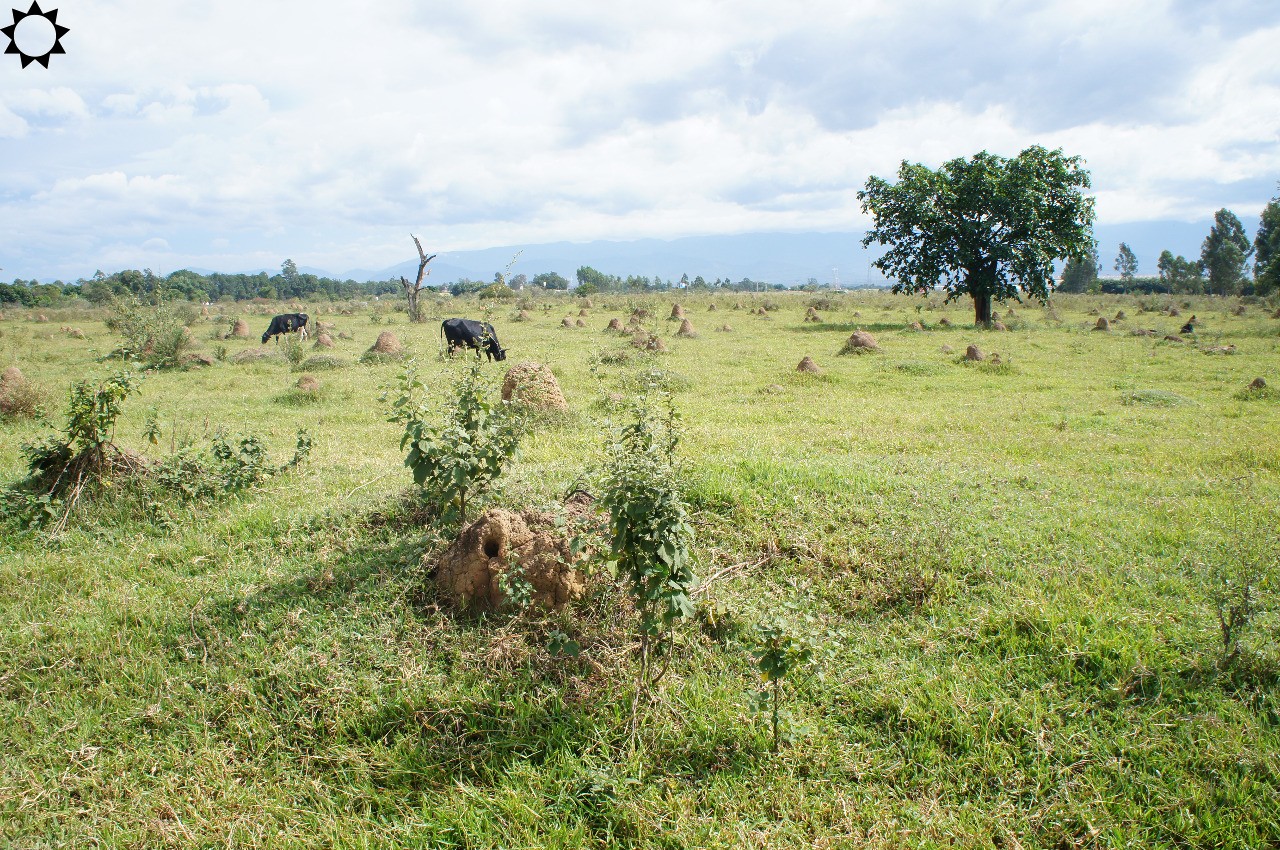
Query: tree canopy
[[1224, 253], [1126, 262], [1266, 249], [987, 226]]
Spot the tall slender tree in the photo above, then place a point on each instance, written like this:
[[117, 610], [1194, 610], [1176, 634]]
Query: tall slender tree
[[1266, 250], [1126, 263], [1224, 253]]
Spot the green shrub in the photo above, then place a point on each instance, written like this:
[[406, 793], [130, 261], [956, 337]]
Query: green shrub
[[154, 334], [457, 453], [649, 532]]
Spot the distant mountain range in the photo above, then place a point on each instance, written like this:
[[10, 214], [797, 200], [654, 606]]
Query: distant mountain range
[[786, 258]]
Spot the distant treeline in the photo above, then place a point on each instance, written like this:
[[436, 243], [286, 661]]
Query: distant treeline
[[191, 286], [290, 284]]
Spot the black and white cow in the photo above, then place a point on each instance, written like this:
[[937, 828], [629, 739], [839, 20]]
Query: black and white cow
[[468, 333], [287, 323]]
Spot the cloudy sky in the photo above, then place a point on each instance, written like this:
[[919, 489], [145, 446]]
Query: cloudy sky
[[232, 135]]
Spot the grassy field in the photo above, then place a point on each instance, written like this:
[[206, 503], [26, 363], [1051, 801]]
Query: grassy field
[[1011, 568]]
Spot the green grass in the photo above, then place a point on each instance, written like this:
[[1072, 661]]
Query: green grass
[[1013, 567]]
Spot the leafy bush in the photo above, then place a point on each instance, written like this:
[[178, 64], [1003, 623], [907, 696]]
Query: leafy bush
[[457, 453], [227, 467], [498, 290], [155, 335]]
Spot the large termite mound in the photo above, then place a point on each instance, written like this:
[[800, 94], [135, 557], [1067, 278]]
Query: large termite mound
[[520, 546], [533, 385]]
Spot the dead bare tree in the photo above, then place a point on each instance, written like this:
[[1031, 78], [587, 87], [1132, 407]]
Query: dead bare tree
[[413, 290]]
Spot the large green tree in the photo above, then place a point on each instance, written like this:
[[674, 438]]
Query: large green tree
[[987, 227], [1266, 249], [1224, 253], [1179, 273]]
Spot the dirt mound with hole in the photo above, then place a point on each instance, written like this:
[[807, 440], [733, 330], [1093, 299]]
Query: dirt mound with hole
[[686, 329], [240, 329], [470, 573], [615, 324], [323, 340], [808, 366], [308, 384], [860, 342], [387, 343], [533, 385], [974, 353]]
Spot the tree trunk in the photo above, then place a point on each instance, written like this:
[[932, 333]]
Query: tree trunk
[[411, 291], [982, 309]]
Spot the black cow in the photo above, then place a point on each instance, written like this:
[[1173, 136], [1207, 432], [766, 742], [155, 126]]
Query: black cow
[[287, 323], [468, 333]]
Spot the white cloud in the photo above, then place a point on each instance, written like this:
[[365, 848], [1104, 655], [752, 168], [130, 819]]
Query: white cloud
[[330, 129]]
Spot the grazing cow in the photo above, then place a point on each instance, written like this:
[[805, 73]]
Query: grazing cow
[[468, 333], [1189, 327], [287, 323]]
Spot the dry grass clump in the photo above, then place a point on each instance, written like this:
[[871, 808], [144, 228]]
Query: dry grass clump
[[240, 329], [859, 342], [648, 342], [20, 398], [322, 362], [256, 355], [533, 385], [197, 360]]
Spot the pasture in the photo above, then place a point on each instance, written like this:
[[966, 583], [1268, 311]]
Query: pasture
[[1010, 569]]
